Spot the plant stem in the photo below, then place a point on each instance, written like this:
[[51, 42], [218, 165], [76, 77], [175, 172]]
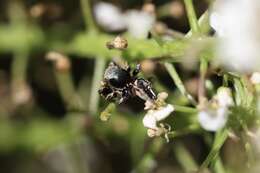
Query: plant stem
[[65, 85], [192, 17], [220, 138], [68, 91], [87, 14], [203, 23], [185, 109], [97, 77], [19, 66], [193, 128], [19, 86], [173, 73], [203, 72], [218, 166], [185, 158]]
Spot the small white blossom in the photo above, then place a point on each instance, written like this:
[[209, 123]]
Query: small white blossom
[[214, 115], [152, 117], [109, 16], [213, 119], [150, 121], [237, 27], [139, 23], [215, 23], [224, 97], [255, 78]]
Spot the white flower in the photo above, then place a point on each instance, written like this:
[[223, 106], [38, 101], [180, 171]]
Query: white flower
[[109, 16], [215, 115], [255, 78], [236, 24], [215, 23], [152, 117], [213, 119], [224, 97], [139, 23], [150, 121]]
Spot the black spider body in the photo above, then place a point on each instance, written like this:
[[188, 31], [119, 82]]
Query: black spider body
[[116, 76], [120, 84]]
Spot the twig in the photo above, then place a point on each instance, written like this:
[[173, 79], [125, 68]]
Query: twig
[[185, 109], [173, 73], [203, 23], [194, 128], [192, 17], [220, 138], [19, 66], [203, 72], [184, 158], [87, 14], [97, 77]]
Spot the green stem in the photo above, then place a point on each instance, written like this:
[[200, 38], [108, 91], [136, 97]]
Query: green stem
[[203, 23], [18, 77], [225, 80], [184, 158], [68, 91], [87, 14], [97, 77], [145, 164], [193, 128], [220, 138], [239, 94], [218, 166], [185, 109], [19, 67], [65, 85], [192, 16], [17, 12], [173, 73], [203, 72]]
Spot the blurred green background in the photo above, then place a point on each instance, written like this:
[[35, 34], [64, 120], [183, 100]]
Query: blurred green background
[[49, 109]]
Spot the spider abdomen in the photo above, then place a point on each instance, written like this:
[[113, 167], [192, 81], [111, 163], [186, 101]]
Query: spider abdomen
[[117, 77]]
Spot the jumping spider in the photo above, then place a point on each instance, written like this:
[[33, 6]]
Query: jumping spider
[[121, 83]]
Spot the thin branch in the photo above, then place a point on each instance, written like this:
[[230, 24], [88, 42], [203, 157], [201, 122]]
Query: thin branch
[[192, 16], [173, 73], [220, 138], [97, 77], [87, 14]]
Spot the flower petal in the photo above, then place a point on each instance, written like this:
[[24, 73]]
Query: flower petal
[[109, 16], [213, 120], [139, 23]]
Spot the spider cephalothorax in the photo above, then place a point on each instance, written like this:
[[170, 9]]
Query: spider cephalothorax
[[121, 83]]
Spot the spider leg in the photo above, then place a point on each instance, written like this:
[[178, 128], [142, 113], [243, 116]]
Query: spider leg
[[146, 90], [107, 92], [126, 94], [136, 70], [111, 96]]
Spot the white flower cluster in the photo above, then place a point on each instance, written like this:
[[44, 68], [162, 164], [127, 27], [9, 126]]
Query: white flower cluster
[[237, 27], [157, 112], [255, 78], [138, 23], [213, 115]]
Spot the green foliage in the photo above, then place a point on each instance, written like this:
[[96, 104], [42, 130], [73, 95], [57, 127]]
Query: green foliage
[[37, 133]]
